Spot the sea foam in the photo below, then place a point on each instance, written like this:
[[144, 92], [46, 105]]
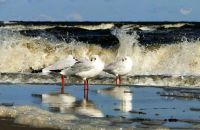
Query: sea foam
[[23, 54]]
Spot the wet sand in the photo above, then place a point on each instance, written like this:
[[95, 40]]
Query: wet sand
[[8, 124], [107, 107]]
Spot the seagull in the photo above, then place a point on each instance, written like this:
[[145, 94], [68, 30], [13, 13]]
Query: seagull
[[119, 67], [85, 69], [60, 65]]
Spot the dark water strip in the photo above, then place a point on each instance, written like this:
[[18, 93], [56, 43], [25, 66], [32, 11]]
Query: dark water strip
[[104, 37]]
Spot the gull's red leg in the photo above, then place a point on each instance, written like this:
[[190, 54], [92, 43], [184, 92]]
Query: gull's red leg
[[62, 84], [117, 81], [86, 89], [87, 84], [119, 77]]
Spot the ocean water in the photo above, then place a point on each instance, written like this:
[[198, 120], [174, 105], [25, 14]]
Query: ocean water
[[169, 51], [156, 48]]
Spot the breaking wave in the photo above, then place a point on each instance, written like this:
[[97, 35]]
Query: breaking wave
[[20, 53]]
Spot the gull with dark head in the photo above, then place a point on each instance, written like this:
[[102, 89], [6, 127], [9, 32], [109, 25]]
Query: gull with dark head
[[119, 67]]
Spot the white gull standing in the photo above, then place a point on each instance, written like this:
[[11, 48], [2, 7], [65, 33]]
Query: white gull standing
[[60, 65], [119, 67], [85, 69]]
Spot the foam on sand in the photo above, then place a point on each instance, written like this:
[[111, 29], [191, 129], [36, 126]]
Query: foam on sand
[[33, 116]]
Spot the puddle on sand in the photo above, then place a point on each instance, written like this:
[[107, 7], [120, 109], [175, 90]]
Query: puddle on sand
[[138, 106]]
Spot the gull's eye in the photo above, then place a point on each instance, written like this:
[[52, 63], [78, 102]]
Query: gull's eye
[[122, 59], [75, 58], [93, 59]]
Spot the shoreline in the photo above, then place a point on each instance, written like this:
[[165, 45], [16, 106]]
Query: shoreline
[[160, 81]]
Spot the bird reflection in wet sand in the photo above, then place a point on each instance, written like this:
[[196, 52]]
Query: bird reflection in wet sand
[[87, 108], [58, 102], [123, 94], [65, 103]]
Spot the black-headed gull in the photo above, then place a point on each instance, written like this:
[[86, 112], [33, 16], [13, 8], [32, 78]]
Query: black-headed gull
[[60, 65], [119, 67], [85, 69]]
